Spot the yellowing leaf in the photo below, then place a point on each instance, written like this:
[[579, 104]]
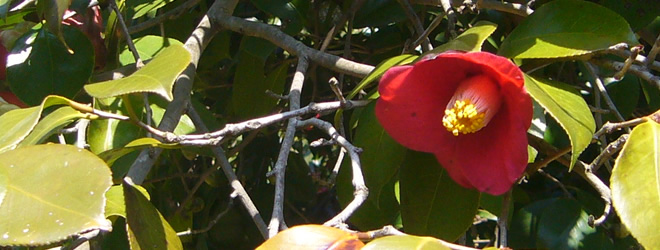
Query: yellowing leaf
[[635, 184]]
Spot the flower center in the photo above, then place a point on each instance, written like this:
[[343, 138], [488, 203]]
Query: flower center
[[475, 102]]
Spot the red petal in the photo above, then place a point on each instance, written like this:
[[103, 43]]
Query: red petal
[[412, 102], [413, 99]]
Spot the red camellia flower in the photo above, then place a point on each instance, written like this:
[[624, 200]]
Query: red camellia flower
[[470, 110]]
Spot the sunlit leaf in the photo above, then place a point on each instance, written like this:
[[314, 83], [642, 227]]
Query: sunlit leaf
[[636, 184], [147, 46], [405, 242], [51, 124], [115, 204], [39, 207], [112, 155], [567, 107], [565, 28], [312, 237], [158, 76], [18, 123], [470, 40], [147, 229], [564, 225], [144, 7], [52, 11], [431, 202]]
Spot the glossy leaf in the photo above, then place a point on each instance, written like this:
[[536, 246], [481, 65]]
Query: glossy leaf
[[312, 237], [636, 183], [431, 202], [380, 160], [38, 210], [565, 28], [147, 229], [638, 13], [39, 65], [147, 46], [51, 124], [158, 76], [144, 7], [470, 40], [115, 204], [564, 225], [18, 123], [52, 11], [405, 242], [379, 71], [4, 182], [107, 134], [566, 105]]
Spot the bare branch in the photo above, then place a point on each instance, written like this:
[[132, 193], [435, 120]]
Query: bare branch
[[641, 72], [514, 8], [600, 87], [653, 52], [290, 44], [417, 25], [361, 190], [277, 218]]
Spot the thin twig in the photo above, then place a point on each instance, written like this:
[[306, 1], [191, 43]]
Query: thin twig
[[417, 25], [629, 61], [428, 30], [610, 150], [390, 230], [653, 52], [215, 220], [600, 87], [291, 45], [344, 18], [127, 36], [277, 218], [361, 190], [227, 169], [503, 219], [641, 72], [169, 15], [514, 8], [451, 17], [81, 135], [610, 127]]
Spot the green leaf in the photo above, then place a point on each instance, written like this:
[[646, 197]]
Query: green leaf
[[636, 184], [51, 124], [147, 229], [431, 202], [143, 7], [380, 164], [107, 134], [379, 70], [147, 46], [638, 13], [39, 65], [4, 8], [565, 28], [52, 11], [40, 207], [115, 205], [158, 76], [285, 11], [570, 110], [525, 224], [470, 40], [4, 182], [18, 123], [405, 242], [112, 155], [564, 225]]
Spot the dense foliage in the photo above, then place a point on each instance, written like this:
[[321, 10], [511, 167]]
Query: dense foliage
[[136, 124]]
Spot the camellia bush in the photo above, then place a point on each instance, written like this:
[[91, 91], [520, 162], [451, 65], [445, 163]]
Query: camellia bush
[[358, 124]]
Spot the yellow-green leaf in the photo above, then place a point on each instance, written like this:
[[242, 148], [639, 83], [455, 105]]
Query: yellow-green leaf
[[566, 106], [51, 124], [565, 28], [158, 76], [147, 229], [312, 237], [635, 184], [52, 196], [405, 242], [470, 40]]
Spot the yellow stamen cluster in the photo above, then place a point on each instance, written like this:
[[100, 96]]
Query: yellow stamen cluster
[[463, 118]]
